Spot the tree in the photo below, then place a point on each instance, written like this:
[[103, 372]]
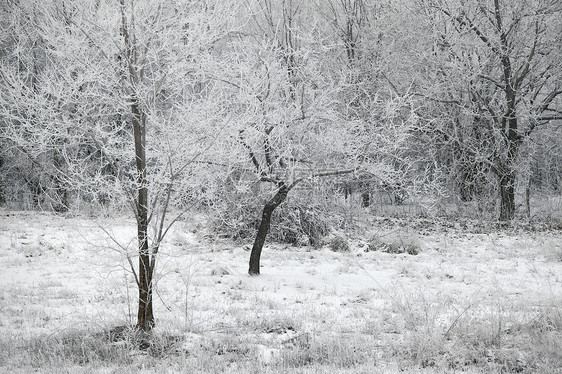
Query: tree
[[282, 111], [120, 97], [502, 64], [288, 92]]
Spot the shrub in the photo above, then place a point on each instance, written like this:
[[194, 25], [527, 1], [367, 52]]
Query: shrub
[[299, 224], [294, 222], [339, 244], [394, 242]]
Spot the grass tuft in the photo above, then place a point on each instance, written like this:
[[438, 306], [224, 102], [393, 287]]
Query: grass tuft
[[74, 347], [339, 351]]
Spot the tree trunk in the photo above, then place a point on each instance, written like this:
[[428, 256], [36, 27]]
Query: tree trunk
[[507, 177], [36, 191], [59, 186], [145, 320], [2, 192], [365, 199], [263, 229], [507, 195], [145, 317], [528, 201], [508, 172]]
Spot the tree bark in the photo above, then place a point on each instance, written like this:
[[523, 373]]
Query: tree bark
[[509, 123], [507, 195], [263, 228], [365, 199], [59, 186], [528, 201], [145, 317], [508, 173]]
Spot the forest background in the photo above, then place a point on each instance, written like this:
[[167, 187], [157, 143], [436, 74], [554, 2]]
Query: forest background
[[450, 107]]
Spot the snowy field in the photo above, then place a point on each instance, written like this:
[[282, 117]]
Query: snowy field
[[473, 300]]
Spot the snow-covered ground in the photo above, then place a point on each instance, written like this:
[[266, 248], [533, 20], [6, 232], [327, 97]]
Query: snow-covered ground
[[469, 301]]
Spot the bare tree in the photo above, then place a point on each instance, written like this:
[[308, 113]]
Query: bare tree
[[503, 60], [284, 110], [291, 126], [121, 97]]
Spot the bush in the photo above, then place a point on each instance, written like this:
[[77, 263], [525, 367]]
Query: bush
[[339, 244], [298, 224], [293, 222], [236, 220], [394, 242]]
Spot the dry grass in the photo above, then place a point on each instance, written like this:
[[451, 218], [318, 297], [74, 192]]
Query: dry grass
[[486, 333]]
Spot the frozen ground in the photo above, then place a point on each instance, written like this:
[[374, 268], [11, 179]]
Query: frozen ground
[[475, 301]]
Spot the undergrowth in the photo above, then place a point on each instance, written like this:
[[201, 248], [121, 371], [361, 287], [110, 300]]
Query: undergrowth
[[488, 334]]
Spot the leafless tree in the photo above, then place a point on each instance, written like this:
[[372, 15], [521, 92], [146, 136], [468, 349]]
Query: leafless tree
[[500, 67], [119, 98]]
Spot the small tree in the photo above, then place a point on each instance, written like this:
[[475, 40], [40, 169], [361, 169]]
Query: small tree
[[121, 97], [291, 128]]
